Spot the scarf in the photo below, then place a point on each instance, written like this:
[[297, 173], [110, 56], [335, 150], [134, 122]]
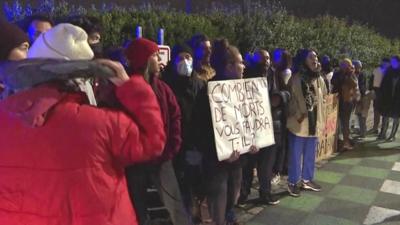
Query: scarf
[[310, 97]]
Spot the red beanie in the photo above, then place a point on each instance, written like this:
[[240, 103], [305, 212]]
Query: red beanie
[[11, 37], [138, 53]]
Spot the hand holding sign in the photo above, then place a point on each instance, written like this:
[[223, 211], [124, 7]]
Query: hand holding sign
[[234, 156], [254, 150], [241, 115]]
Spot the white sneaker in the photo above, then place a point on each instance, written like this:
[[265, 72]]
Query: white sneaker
[[276, 179]]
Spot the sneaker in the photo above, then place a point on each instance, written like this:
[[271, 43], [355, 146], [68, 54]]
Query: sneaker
[[242, 201], [269, 200], [294, 190], [276, 180], [347, 147], [391, 139], [373, 131], [311, 186]]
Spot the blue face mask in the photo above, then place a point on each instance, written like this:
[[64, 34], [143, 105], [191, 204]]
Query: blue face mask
[[185, 68]]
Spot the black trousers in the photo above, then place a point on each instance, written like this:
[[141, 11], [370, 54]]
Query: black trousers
[[281, 160], [264, 161], [222, 188], [163, 177]]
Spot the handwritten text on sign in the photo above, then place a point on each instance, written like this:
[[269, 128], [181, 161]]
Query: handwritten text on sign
[[241, 115]]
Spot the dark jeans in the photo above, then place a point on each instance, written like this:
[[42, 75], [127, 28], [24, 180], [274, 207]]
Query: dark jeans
[[377, 114], [281, 159], [345, 109], [222, 184], [163, 177], [264, 160], [363, 124]]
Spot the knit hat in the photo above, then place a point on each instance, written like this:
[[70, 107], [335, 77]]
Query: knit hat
[[64, 41], [346, 62], [138, 53], [180, 48], [357, 63], [12, 36]]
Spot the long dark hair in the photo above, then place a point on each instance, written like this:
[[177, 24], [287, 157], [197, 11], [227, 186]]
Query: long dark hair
[[223, 54], [286, 59], [299, 61]]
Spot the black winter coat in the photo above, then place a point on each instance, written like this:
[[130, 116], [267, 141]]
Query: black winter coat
[[389, 94], [186, 90], [362, 84]]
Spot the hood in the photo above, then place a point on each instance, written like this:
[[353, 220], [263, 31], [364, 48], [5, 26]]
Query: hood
[[32, 106]]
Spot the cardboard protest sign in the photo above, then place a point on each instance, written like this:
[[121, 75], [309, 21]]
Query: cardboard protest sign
[[328, 138], [241, 115]]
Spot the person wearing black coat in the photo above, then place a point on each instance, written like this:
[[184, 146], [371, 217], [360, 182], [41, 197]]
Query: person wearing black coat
[[179, 76], [265, 159], [389, 99], [222, 179]]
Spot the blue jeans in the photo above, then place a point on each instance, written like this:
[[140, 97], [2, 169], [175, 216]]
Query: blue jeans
[[301, 147]]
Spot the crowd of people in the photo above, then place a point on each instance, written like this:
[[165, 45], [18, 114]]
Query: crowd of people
[[85, 151]]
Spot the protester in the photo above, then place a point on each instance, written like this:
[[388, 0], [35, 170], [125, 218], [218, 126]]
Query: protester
[[179, 75], [259, 64], [389, 99], [281, 62], [266, 159], [376, 84], [71, 156], [94, 29], [344, 82], [202, 50], [305, 121], [62, 42], [143, 58], [362, 106], [222, 179], [14, 44], [36, 25], [280, 75], [327, 72]]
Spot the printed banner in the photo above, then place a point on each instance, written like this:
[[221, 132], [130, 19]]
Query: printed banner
[[241, 115]]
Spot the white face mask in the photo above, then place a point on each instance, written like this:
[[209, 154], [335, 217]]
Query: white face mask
[[185, 68]]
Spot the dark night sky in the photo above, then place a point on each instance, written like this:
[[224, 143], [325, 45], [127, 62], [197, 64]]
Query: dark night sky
[[382, 15]]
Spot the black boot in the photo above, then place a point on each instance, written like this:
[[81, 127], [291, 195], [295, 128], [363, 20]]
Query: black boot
[[385, 124], [392, 136]]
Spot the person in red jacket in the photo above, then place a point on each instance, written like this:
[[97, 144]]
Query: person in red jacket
[[143, 57], [62, 160]]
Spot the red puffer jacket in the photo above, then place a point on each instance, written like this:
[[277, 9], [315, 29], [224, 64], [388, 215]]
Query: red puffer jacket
[[62, 162]]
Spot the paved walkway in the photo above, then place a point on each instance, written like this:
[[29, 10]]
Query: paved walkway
[[359, 187]]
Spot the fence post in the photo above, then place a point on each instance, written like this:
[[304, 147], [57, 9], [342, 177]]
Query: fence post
[[139, 32], [160, 36]]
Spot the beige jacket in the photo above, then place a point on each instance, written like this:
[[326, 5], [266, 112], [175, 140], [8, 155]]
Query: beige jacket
[[297, 107]]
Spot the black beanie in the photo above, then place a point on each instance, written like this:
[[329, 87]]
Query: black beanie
[[12, 36], [179, 48]]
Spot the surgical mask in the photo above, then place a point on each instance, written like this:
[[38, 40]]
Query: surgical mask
[[185, 68]]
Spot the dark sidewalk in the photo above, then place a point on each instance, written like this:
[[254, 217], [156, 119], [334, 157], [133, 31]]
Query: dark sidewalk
[[361, 186]]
